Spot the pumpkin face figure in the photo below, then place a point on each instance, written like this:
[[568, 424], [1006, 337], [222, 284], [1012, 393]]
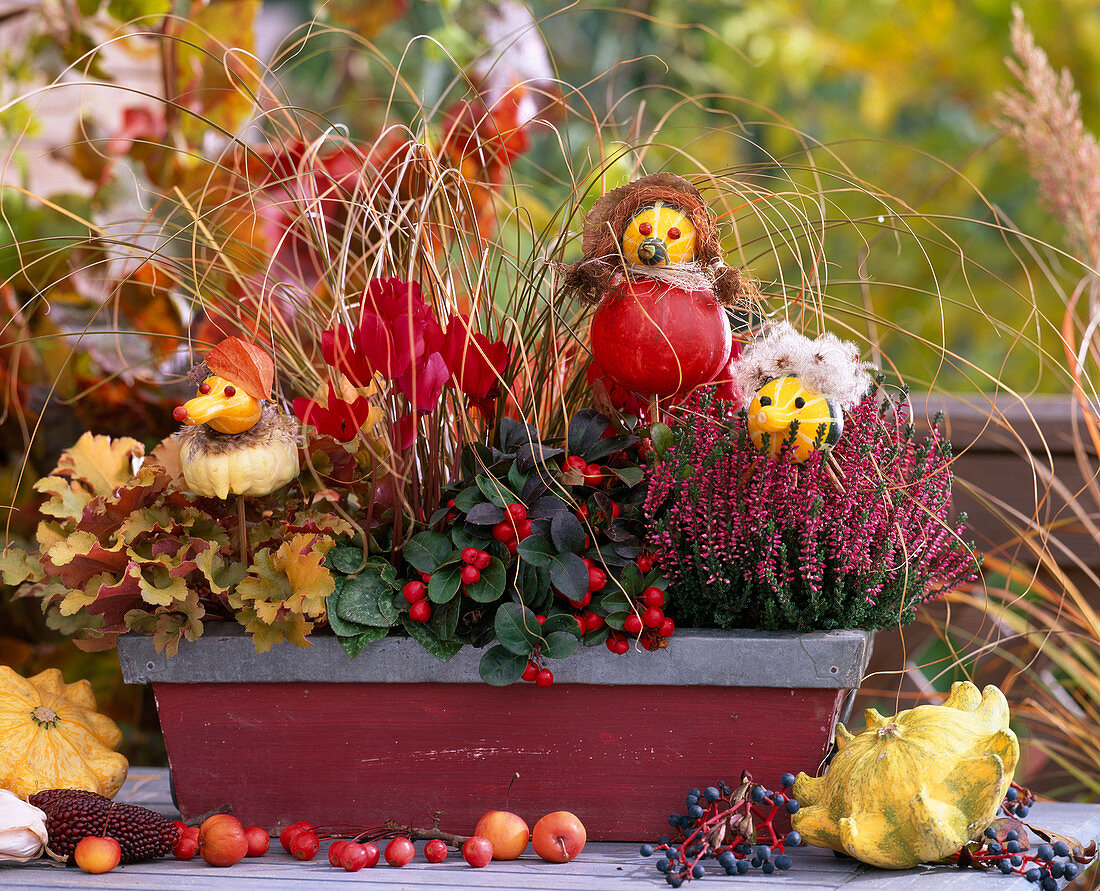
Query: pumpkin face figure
[[659, 234], [781, 402]]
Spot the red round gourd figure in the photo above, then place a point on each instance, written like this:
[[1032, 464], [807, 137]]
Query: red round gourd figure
[[655, 338], [653, 269]]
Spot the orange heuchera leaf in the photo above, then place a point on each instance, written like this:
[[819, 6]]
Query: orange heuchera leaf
[[244, 364]]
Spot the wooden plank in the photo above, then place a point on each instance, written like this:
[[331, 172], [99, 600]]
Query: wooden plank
[[357, 754]]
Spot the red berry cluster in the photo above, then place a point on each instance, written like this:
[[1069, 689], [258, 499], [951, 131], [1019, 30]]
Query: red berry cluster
[[648, 621], [592, 473], [416, 593], [513, 529]]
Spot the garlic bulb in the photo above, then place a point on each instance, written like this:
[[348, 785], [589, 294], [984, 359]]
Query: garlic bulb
[[22, 829]]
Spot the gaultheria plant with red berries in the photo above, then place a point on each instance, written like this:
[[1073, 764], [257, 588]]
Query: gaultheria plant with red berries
[[853, 538]]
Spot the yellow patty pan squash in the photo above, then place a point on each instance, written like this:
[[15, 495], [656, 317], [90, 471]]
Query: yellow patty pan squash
[[915, 787], [51, 737]]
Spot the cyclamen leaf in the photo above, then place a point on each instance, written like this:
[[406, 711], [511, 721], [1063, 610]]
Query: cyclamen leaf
[[355, 644]]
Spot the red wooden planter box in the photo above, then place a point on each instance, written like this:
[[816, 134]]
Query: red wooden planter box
[[394, 734]]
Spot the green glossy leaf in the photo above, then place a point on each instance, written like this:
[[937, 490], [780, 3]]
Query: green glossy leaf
[[422, 634], [491, 584], [567, 533], [517, 628], [485, 514], [629, 475], [560, 644], [467, 498], [517, 479], [597, 637], [444, 583], [355, 645], [427, 551], [569, 575], [632, 582], [615, 601], [444, 620], [661, 437], [500, 668], [560, 622], [534, 549], [494, 490]]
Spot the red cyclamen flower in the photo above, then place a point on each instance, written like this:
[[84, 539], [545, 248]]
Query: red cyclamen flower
[[476, 363], [340, 419]]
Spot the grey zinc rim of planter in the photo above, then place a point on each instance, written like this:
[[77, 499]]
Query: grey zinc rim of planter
[[822, 660]]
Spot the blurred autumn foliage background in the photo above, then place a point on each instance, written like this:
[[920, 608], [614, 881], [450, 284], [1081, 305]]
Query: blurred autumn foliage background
[[122, 124]]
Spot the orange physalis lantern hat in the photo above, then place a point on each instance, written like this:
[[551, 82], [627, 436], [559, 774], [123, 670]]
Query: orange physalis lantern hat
[[244, 364]]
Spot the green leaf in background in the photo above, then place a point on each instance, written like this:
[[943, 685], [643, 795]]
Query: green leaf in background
[[427, 551], [629, 475], [559, 622], [440, 649], [517, 628], [340, 627], [467, 498], [500, 667], [444, 620]]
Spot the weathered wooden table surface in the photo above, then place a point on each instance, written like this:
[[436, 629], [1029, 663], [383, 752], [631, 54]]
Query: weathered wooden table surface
[[600, 866]]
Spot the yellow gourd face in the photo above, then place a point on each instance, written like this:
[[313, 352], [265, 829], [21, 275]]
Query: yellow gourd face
[[915, 787], [51, 737], [782, 401], [658, 235]]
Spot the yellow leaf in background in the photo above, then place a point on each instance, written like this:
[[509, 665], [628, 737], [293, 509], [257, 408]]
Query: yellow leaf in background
[[161, 589], [47, 535], [17, 566], [216, 75], [220, 574], [100, 462], [70, 547], [78, 598], [365, 19], [167, 455], [67, 500]]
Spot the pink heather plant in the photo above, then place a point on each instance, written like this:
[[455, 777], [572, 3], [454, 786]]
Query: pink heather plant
[[750, 541]]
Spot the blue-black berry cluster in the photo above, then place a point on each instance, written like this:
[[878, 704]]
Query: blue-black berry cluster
[[736, 827], [1010, 852]]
